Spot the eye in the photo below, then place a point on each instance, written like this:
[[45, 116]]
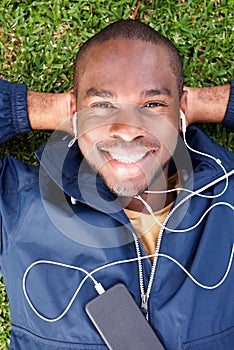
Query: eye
[[102, 105], [153, 104]]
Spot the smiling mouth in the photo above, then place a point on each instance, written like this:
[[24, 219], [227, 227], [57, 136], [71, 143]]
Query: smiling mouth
[[128, 154], [129, 158]]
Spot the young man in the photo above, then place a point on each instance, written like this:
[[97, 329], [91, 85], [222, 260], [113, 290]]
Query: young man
[[92, 209]]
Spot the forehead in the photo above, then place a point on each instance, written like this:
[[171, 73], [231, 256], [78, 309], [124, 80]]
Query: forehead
[[126, 64]]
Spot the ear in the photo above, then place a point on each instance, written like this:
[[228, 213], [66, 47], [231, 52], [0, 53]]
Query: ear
[[73, 119], [183, 106], [72, 103]]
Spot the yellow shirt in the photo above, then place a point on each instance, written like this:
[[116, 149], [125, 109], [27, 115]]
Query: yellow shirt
[[147, 228], [145, 225]]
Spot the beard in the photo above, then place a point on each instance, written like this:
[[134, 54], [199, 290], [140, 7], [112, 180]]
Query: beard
[[125, 188]]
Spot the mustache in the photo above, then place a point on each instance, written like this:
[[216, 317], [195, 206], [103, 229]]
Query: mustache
[[121, 144]]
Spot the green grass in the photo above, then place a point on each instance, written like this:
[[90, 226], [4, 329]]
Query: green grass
[[39, 41]]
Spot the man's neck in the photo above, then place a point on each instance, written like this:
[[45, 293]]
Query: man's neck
[[157, 201]]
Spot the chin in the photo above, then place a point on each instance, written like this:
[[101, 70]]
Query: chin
[[132, 187], [125, 188]]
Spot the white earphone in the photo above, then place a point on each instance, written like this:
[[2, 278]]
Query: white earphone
[[74, 124], [75, 130], [183, 121]]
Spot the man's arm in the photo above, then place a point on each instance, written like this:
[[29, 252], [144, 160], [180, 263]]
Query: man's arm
[[49, 111], [211, 104]]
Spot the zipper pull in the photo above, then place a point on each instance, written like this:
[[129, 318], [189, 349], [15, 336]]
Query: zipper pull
[[144, 303]]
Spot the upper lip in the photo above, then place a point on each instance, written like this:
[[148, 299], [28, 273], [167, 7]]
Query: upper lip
[[128, 148]]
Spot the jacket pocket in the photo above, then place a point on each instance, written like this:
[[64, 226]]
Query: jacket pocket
[[219, 341], [22, 339]]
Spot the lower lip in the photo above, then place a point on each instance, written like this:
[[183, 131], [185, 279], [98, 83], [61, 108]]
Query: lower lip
[[129, 169]]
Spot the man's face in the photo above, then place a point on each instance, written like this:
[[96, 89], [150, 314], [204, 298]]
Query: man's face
[[128, 108]]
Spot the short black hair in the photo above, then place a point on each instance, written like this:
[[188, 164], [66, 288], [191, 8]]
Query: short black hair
[[133, 29]]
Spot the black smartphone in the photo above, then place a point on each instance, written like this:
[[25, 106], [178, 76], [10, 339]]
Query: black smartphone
[[120, 322]]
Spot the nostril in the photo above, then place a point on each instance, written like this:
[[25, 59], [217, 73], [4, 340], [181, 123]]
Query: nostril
[[126, 132]]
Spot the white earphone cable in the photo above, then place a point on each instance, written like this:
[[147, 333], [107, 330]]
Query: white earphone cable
[[100, 289]]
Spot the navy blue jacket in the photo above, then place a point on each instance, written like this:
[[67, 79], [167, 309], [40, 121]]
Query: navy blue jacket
[[38, 223]]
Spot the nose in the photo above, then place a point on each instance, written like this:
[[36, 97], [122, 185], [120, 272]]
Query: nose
[[126, 132], [127, 127]]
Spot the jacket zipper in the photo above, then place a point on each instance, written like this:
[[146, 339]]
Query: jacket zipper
[[145, 294]]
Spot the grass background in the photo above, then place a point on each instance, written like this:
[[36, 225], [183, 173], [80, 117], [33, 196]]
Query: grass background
[[39, 41]]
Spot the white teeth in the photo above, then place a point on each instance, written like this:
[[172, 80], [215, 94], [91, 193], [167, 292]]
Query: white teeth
[[128, 159]]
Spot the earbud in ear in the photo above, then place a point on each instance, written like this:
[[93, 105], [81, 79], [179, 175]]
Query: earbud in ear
[[74, 125], [75, 130], [183, 121]]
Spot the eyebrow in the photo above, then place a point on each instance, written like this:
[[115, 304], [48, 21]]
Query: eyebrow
[[100, 93], [93, 92], [156, 92]]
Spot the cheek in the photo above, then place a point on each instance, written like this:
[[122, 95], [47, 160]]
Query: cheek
[[88, 139], [165, 132], [86, 142], [91, 126]]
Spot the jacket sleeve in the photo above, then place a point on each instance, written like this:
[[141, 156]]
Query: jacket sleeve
[[13, 121], [229, 116], [13, 110]]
